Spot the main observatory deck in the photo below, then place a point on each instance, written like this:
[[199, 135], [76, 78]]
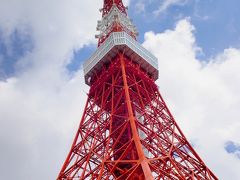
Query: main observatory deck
[[120, 41]]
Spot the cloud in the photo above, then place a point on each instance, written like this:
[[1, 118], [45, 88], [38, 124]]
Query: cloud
[[54, 26], [37, 125], [40, 106], [166, 4], [203, 95]]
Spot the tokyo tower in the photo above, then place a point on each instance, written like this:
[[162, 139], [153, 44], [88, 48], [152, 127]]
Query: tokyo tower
[[126, 130]]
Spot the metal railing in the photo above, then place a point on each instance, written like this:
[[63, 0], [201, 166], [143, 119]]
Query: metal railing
[[119, 39]]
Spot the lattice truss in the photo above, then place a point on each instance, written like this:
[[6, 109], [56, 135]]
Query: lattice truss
[[108, 4], [107, 142]]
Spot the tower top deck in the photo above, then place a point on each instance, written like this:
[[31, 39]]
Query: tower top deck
[[118, 34]]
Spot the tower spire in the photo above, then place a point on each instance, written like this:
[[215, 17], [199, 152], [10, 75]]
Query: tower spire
[[108, 4], [114, 19]]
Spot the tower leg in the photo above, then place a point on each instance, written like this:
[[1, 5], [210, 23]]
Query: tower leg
[[127, 132], [132, 119]]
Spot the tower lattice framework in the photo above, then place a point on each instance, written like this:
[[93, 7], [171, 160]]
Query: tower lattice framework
[[127, 131]]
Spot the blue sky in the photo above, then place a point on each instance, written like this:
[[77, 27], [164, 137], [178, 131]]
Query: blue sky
[[11, 50], [216, 22], [42, 92], [233, 148]]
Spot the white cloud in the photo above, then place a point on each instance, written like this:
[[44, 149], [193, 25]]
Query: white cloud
[[40, 108], [203, 96], [36, 122], [166, 4], [54, 26]]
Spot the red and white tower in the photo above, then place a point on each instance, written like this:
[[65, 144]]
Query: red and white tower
[[127, 131]]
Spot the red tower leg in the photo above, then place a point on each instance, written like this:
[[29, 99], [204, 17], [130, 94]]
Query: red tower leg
[[127, 132]]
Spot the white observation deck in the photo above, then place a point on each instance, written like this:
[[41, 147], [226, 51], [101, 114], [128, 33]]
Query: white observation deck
[[120, 41]]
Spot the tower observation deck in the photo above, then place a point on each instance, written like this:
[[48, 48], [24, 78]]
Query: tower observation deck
[[126, 130], [118, 34]]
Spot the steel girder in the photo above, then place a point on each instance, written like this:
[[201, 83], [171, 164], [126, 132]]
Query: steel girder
[[127, 132]]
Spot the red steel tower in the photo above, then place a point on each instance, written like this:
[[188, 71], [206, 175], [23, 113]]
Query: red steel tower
[[127, 131]]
